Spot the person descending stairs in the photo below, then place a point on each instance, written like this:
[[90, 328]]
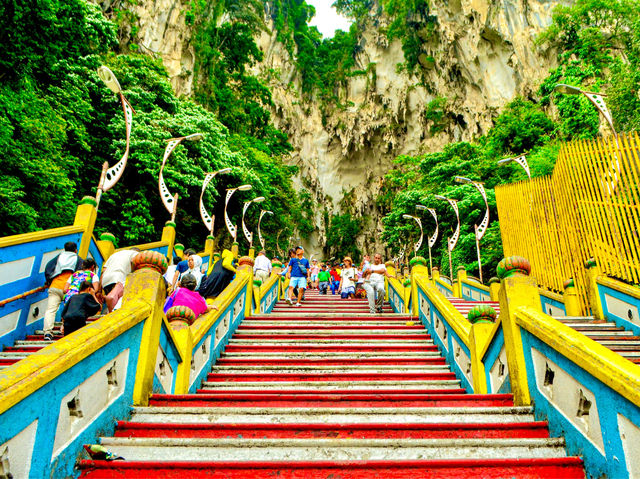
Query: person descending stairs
[[329, 390]]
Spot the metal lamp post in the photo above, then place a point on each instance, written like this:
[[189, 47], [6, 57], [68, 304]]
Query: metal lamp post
[[416, 247], [233, 230], [596, 98], [521, 160], [248, 234], [206, 218], [453, 240], [479, 230], [432, 240], [171, 201], [110, 176], [262, 213]]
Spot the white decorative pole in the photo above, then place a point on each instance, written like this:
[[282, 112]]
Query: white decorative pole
[[171, 201], [416, 247], [453, 240], [484, 224], [521, 160], [110, 176], [248, 234], [262, 213], [432, 240], [233, 230], [206, 218]]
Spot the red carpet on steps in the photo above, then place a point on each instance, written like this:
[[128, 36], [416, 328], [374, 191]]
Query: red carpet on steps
[[328, 390]]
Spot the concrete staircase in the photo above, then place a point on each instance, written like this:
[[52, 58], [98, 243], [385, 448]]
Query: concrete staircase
[[330, 391]]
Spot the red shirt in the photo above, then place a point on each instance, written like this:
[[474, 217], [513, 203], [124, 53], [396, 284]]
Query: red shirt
[[334, 275]]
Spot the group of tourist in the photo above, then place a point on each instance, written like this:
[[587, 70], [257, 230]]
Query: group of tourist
[[349, 281], [74, 285]]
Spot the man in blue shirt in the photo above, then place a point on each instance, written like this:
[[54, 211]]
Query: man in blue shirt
[[299, 271], [182, 267]]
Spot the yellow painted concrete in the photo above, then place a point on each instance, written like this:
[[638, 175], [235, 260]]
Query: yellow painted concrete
[[23, 378], [618, 373], [169, 237], [515, 292], [619, 286], [485, 347], [593, 296], [572, 302], [481, 335], [183, 340], [494, 291], [86, 219], [106, 248], [39, 235], [456, 320], [475, 285], [149, 286]]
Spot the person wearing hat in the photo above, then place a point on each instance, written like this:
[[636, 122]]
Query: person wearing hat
[[349, 274], [299, 272]]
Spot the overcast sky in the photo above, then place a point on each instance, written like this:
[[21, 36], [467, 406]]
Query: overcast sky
[[327, 19]]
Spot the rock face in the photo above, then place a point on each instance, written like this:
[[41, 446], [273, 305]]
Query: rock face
[[481, 56]]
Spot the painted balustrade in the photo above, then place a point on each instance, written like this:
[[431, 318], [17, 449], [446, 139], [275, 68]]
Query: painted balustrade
[[589, 394], [64, 395]]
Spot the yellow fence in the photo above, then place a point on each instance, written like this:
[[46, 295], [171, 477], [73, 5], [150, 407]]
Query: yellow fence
[[589, 207]]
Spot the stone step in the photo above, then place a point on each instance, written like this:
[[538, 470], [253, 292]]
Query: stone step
[[328, 384], [258, 355], [372, 369], [243, 415], [287, 449]]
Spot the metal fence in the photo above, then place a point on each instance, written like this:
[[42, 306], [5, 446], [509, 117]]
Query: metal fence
[[589, 207]]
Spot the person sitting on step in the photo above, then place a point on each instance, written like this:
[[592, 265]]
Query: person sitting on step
[[186, 295], [219, 277], [79, 308]]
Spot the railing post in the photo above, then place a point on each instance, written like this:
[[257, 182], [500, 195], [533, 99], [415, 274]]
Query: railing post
[[457, 284], [517, 289], [178, 248], [107, 245], [418, 268], [571, 299], [146, 284], [391, 270], [235, 248], [435, 274], [494, 289], [593, 295], [184, 344], [86, 214], [276, 268], [169, 237], [245, 267], [480, 334]]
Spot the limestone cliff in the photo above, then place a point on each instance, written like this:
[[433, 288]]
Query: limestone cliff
[[481, 56]]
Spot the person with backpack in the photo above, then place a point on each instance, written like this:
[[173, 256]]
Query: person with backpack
[[56, 274], [299, 272]]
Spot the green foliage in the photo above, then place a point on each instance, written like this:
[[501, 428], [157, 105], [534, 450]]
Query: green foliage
[[341, 234], [416, 180], [59, 124], [598, 45], [435, 113]]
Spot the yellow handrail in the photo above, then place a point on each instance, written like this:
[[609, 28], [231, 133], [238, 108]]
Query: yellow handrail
[[619, 286], [475, 285], [618, 373], [39, 235], [20, 380], [456, 320]]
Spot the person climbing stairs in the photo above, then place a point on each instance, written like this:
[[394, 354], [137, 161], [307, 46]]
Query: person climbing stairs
[[329, 390]]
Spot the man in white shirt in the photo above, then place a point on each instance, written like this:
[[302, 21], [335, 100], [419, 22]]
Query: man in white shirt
[[262, 267], [114, 274], [374, 283]]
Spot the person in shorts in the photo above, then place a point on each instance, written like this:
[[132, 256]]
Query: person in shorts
[[299, 272], [324, 277], [349, 275]]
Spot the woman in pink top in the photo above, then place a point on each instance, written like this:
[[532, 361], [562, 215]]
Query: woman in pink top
[[186, 295]]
